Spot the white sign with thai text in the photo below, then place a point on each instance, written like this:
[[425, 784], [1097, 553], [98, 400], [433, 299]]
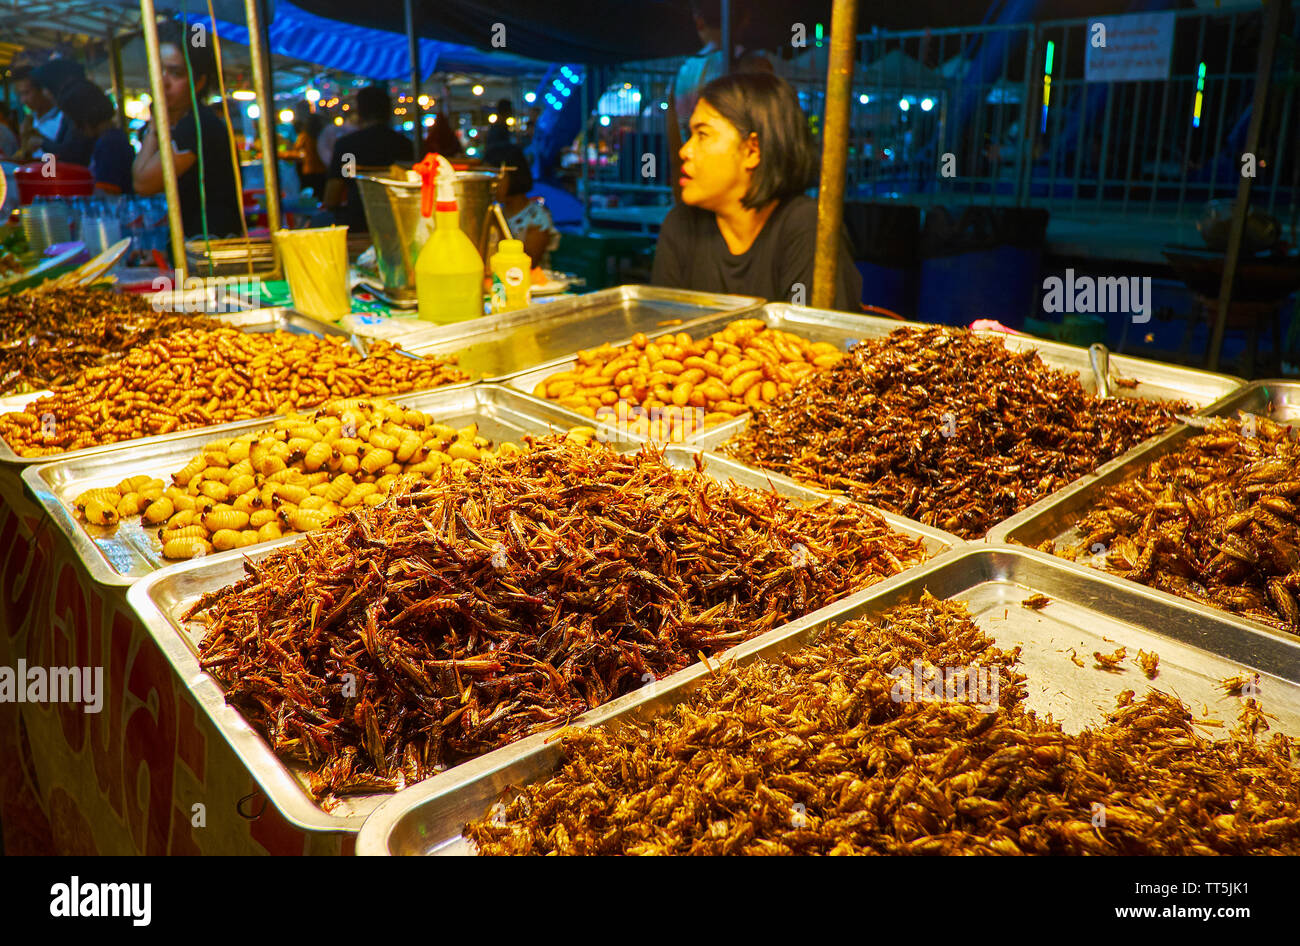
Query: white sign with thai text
[[1129, 48]]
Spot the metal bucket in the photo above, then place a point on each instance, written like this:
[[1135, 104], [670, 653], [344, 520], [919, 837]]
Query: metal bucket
[[393, 213]]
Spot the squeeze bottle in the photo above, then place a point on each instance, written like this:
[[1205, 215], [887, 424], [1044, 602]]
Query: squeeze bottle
[[512, 285], [448, 271]]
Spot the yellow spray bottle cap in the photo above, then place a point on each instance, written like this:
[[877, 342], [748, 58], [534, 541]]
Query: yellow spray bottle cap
[[510, 246]]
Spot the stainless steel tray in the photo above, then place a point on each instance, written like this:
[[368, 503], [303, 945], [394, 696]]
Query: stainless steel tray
[[842, 329], [125, 553], [1156, 380], [254, 320], [1089, 611], [1053, 518], [499, 346], [286, 319], [162, 597]]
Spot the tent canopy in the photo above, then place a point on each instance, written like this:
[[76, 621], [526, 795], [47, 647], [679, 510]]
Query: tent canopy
[[293, 34], [373, 53]]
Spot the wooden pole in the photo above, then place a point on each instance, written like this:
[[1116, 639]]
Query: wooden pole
[[115, 77], [257, 53], [835, 140]]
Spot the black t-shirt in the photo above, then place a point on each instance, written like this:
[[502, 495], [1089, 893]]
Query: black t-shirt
[[70, 145], [371, 147], [692, 254], [218, 183], [110, 161]]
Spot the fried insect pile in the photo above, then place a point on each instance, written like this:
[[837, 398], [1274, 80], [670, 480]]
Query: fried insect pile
[[450, 621], [811, 753], [47, 337], [947, 427], [197, 378], [1214, 521]]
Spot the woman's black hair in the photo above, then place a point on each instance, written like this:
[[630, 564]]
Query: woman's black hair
[[765, 105], [520, 180], [196, 46], [85, 104]]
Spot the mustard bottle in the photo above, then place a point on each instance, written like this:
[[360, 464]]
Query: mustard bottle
[[512, 285], [448, 271]]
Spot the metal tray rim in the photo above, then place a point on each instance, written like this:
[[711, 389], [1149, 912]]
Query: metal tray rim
[[89, 552], [373, 837], [448, 781], [287, 793], [721, 304], [1143, 453]]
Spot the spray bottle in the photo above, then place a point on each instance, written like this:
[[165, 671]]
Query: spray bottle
[[448, 271]]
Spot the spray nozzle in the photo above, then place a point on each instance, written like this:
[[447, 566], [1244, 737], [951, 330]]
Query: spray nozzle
[[436, 174]]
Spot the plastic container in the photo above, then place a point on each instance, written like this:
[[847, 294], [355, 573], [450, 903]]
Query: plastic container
[[448, 271], [316, 265], [886, 249], [511, 277], [67, 180]]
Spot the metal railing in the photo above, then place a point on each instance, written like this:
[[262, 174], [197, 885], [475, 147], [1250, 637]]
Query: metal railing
[[969, 114]]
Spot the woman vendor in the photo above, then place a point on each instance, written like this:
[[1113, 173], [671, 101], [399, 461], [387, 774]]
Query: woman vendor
[[745, 225]]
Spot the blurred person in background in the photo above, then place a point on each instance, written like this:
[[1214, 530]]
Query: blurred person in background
[[442, 138], [528, 220], [373, 145], [499, 132], [92, 114], [311, 169], [193, 132], [8, 134], [331, 133], [43, 121], [68, 144], [707, 64]]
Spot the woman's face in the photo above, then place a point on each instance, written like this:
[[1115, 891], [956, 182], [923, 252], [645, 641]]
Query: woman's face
[[717, 166], [175, 83]]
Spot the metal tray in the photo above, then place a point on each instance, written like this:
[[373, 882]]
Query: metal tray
[[843, 329], [286, 319], [1089, 611], [1156, 380], [254, 320], [162, 597], [499, 346], [1053, 518], [125, 553]]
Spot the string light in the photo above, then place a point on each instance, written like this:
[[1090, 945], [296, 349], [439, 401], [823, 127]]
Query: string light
[[1200, 92], [1047, 82]]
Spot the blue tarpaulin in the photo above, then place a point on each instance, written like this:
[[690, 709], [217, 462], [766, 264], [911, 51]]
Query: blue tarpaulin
[[375, 54]]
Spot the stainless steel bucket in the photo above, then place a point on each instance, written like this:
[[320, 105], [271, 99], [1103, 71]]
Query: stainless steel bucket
[[392, 208]]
